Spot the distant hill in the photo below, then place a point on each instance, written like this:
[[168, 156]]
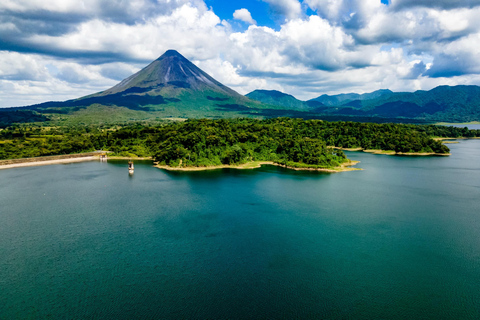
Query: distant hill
[[443, 103], [341, 99], [278, 98], [9, 116]]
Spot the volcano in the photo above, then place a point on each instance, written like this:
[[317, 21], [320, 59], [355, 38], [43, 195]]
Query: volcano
[[170, 86], [170, 72]]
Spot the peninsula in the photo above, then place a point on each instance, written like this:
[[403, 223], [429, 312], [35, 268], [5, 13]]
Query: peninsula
[[346, 166], [242, 143]]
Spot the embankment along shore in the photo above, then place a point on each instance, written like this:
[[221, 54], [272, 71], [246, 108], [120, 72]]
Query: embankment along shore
[[41, 161]]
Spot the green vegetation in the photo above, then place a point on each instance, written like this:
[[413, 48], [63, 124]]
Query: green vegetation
[[277, 98], [443, 103], [291, 142], [217, 142], [446, 131], [8, 116]]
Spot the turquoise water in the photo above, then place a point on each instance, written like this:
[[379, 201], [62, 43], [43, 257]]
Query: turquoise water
[[398, 240]]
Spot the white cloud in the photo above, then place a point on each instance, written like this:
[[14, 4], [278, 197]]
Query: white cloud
[[187, 29], [244, 15], [440, 4], [137, 9], [225, 72], [290, 9], [30, 79], [422, 25], [459, 57], [16, 66], [117, 71], [299, 46], [341, 11], [331, 9]]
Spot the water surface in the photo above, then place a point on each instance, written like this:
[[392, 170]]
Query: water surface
[[397, 240]]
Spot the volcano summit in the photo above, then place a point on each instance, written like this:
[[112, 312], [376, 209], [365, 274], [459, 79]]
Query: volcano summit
[[171, 71], [170, 86]]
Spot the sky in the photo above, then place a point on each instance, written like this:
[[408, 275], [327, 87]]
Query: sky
[[54, 50]]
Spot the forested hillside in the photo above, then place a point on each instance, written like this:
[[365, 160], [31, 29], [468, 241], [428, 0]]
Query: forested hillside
[[10, 116], [443, 103]]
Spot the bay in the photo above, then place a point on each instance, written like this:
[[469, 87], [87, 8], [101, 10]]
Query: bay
[[398, 240]]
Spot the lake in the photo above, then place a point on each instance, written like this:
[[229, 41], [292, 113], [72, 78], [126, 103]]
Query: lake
[[398, 240]]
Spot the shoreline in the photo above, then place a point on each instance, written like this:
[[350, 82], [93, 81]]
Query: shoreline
[[47, 162], [456, 123], [257, 164], [459, 138], [128, 158], [393, 153], [59, 159]]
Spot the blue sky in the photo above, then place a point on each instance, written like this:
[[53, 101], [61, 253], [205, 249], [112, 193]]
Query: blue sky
[[64, 49], [259, 11]]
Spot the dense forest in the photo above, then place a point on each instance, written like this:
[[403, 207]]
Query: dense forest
[[203, 142], [8, 116]]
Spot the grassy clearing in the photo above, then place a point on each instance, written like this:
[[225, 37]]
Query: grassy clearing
[[387, 152], [456, 124]]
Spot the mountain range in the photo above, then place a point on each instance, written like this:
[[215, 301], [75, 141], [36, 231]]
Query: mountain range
[[443, 103], [173, 87]]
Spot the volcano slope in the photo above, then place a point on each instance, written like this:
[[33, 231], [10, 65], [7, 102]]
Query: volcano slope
[[169, 87]]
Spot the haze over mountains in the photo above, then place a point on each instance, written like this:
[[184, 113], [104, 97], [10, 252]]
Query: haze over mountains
[[172, 87]]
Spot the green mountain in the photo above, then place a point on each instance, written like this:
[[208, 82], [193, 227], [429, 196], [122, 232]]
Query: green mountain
[[443, 103], [278, 98], [341, 99], [170, 86]]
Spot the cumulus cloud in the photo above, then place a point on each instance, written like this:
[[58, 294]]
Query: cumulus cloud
[[299, 46], [439, 4], [15, 66], [460, 57], [418, 26], [117, 71], [46, 26], [415, 70], [333, 10], [75, 74], [290, 9], [244, 15], [128, 12], [29, 79], [187, 29]]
